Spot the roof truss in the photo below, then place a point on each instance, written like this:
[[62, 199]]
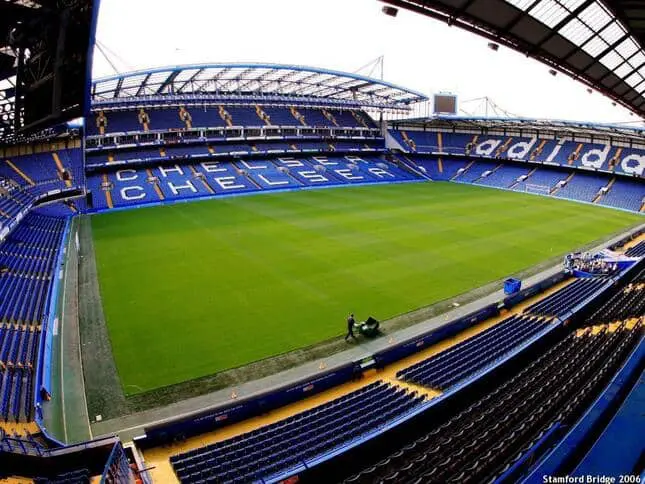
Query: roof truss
[[599, 42], [259, 79]]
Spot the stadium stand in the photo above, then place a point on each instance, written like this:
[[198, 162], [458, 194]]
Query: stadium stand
[[103, 460], [26, 179], [56, 169], [542, 177], [27, 260], [106, 157], [462, 360], [475, 171], [626, 304], [582, 186], [162, 182], [566, 299], [505, 176], [492, 437], [481, 441], [61, 209], [13, 201], [440, 170], [269, 450], [459, 362], [605, 157], [626, 194], [130, 120], [637, 251]]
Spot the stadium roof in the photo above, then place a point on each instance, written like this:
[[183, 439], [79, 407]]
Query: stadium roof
[[597, 42], [563, 127], [275, 81], [45, 60]]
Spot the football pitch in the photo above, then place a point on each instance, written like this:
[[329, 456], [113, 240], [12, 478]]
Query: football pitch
[[192, 289]]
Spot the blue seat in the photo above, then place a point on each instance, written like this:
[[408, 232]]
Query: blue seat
[[277, 446], [467, 357]]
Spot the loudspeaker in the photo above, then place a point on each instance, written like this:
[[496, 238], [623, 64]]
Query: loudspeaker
[[88, 199], [391, 11], [66, 176]]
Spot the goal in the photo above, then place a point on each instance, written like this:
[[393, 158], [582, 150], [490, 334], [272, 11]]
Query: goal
[[538, 189]]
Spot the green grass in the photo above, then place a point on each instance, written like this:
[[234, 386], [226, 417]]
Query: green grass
[[192, 289]]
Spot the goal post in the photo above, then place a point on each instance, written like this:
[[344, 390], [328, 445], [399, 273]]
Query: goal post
[[537, 189]]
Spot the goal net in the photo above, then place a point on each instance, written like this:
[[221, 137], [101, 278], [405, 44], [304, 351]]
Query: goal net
[[539, 189]]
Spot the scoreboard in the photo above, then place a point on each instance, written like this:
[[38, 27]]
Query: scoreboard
[[445, 104]]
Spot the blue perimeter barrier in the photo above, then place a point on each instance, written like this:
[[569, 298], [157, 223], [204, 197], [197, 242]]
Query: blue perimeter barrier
[[208, 420], [43, 363], [419, 343], [534, 290]]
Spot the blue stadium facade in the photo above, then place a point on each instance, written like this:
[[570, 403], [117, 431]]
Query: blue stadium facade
[[182, 133]]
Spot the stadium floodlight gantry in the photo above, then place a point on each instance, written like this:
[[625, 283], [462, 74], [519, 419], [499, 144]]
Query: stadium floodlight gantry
[[236, 83], [597, 42]]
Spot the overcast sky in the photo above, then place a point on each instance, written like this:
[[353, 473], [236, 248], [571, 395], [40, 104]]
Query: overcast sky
[[420, 53]]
